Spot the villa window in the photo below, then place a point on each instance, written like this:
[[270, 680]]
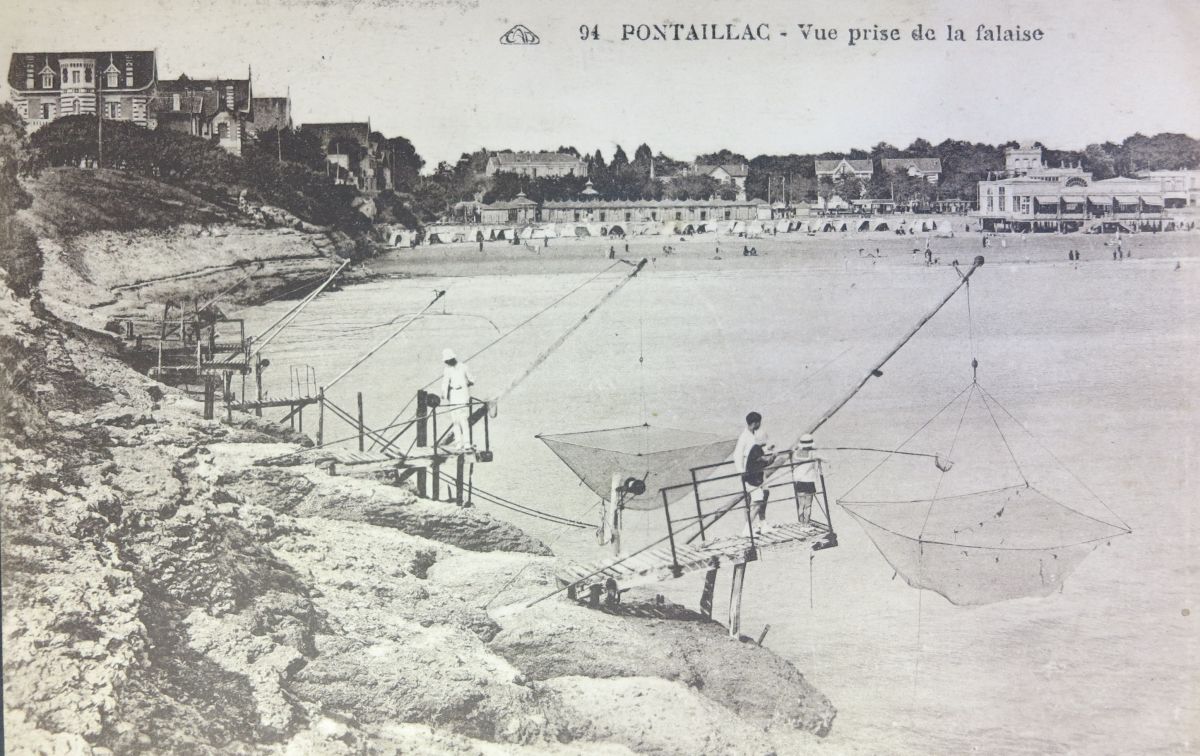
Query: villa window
[[603, 216], [678, 215], [112, 110], [1002, 199], [703, 215], [628, 217], [75, 107], [112, 80], [47, 81], [728, 214], [75, 77], [577, 214], [87, 76], [64, 76], [47, 112], [222, 131]]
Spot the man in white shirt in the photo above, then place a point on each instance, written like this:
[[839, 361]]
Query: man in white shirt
[[456, 396], [750, 456]]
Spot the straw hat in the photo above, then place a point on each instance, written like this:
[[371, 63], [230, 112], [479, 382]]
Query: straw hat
[[447, 355]]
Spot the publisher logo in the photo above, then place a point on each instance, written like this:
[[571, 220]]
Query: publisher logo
[[519, 35]]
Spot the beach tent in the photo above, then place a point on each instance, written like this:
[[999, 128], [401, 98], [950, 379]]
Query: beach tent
[[688, 229], [864, 226], [616, 230], [881, 226]]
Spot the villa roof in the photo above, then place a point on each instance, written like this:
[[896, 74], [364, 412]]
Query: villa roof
[[829, 166], [922, 165], [142, 61]]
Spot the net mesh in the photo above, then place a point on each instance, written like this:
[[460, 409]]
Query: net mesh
[[982, 547], [658, 456], [991, 526]]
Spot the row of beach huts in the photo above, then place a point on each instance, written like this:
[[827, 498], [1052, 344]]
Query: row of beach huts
[[399, 236]]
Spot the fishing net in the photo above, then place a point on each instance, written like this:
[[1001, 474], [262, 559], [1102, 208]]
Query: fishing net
[[982, 547], [657, 456], [987, 520]]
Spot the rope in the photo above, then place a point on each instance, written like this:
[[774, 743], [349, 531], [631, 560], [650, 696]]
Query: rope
[[942, 476], [1059, 463], [1003, 438], [902, 445], [522, 509], [504, 336]]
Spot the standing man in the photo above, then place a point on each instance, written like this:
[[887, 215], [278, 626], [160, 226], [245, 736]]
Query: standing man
[[804, 476], [456, 396], [750, 456]]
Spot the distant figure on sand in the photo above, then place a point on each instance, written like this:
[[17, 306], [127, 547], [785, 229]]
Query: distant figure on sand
[[751, 455], [455, 394], [612, 253]]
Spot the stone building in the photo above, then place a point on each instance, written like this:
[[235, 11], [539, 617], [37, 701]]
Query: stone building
[[49, 85], [535, 164], [217, 109], [351, 155]]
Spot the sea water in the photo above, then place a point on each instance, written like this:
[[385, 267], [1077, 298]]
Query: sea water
[[1097, 360]]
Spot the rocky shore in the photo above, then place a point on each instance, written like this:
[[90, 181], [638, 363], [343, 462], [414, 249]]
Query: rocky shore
[[162, 593]]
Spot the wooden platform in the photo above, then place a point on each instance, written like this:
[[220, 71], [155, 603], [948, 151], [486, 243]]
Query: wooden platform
[[655, 564]]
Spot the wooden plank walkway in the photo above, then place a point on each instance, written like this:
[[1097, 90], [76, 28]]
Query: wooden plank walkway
[[655, 564]]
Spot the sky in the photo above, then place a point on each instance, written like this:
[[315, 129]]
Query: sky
[[435, 71]]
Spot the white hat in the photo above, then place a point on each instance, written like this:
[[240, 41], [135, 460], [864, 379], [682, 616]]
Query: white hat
[[806, 441], [447, 355]]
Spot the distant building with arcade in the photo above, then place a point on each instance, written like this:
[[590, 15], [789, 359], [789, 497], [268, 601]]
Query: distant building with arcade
[[536, 164]]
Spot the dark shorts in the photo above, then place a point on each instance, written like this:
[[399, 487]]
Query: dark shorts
[[806, 488]]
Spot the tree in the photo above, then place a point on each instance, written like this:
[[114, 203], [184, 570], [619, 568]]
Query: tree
[[642, 157], [620, 159], [849, 187], [692, 187], [721, 157], [401, 157], [920, 148], [826, 190]]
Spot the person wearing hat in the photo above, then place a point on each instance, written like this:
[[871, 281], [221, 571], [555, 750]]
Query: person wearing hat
[[805, 474], [456, 396]]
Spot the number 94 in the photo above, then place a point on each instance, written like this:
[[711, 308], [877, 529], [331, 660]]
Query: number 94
[[589, 32]]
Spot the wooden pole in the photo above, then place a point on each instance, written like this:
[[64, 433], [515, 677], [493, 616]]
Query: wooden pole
[[258, 384], [875, 371], [458, 479], [735, 600], [613, 511], [381, 344], [361, 426], [706, 597], [422, 438], [321, 417]]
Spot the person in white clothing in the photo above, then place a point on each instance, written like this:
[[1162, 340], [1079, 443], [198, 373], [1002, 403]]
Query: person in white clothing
[[750, 456], [805, 477], [456, 397]]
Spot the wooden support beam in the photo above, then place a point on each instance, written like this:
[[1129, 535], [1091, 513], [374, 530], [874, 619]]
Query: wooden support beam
[[321, 417], [422, 439], [361, 425], [710, 587], [735, 600]]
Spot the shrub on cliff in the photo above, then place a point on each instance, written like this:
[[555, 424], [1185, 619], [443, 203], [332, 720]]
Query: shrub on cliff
[[199, 165], [20, 257]]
